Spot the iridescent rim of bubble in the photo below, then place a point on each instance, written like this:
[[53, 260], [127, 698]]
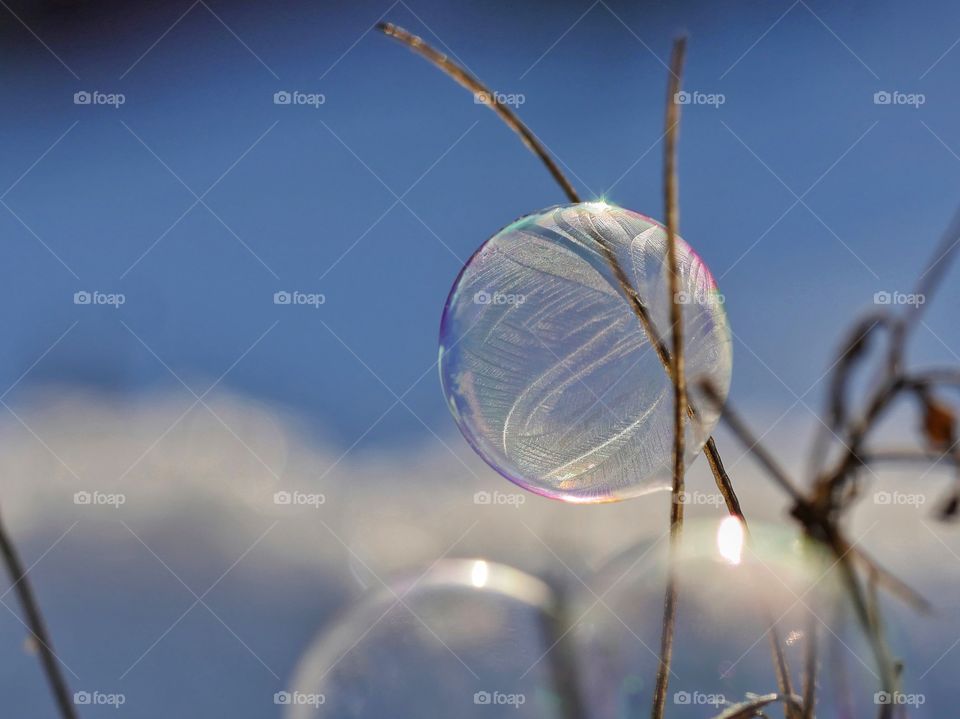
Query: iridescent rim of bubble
[[475, 443]]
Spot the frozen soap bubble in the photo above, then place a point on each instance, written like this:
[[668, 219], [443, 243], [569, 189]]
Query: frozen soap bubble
[[548, 371]]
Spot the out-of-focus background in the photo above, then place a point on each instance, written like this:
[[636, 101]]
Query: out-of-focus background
[[157, 191]]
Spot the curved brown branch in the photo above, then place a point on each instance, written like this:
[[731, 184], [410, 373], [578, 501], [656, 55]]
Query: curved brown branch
[[751, 442], [852, 352], [483, 95]]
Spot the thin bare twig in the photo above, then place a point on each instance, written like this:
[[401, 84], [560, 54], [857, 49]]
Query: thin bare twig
[[780, 666], [892, 583], [853, 350], [753, 707], [751, 442], [680, 406], [870, 622], [811, 661], [929, 281], [49, 661], [483, 95]]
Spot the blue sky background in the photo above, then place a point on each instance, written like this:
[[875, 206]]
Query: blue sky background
[[377, 197], [306, 199]]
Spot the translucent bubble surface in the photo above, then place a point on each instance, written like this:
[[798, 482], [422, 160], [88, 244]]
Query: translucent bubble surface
[[547, 369], [731, 595], [469, 639]]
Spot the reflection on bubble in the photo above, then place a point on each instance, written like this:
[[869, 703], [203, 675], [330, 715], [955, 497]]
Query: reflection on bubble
[[730, 540], [547, 369], [469, 638], [722, 649]]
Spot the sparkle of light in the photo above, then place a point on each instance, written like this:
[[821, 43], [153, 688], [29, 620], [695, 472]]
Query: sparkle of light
[[480, 574], [730, 540], [793, 637]]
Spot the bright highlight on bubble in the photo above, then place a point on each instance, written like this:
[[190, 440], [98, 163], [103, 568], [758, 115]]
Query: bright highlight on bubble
[[549, 372], [479, 574], [730, 540]]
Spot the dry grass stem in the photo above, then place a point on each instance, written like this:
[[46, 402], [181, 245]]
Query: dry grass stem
[[38, 628], [484, 95], [680, 405]]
